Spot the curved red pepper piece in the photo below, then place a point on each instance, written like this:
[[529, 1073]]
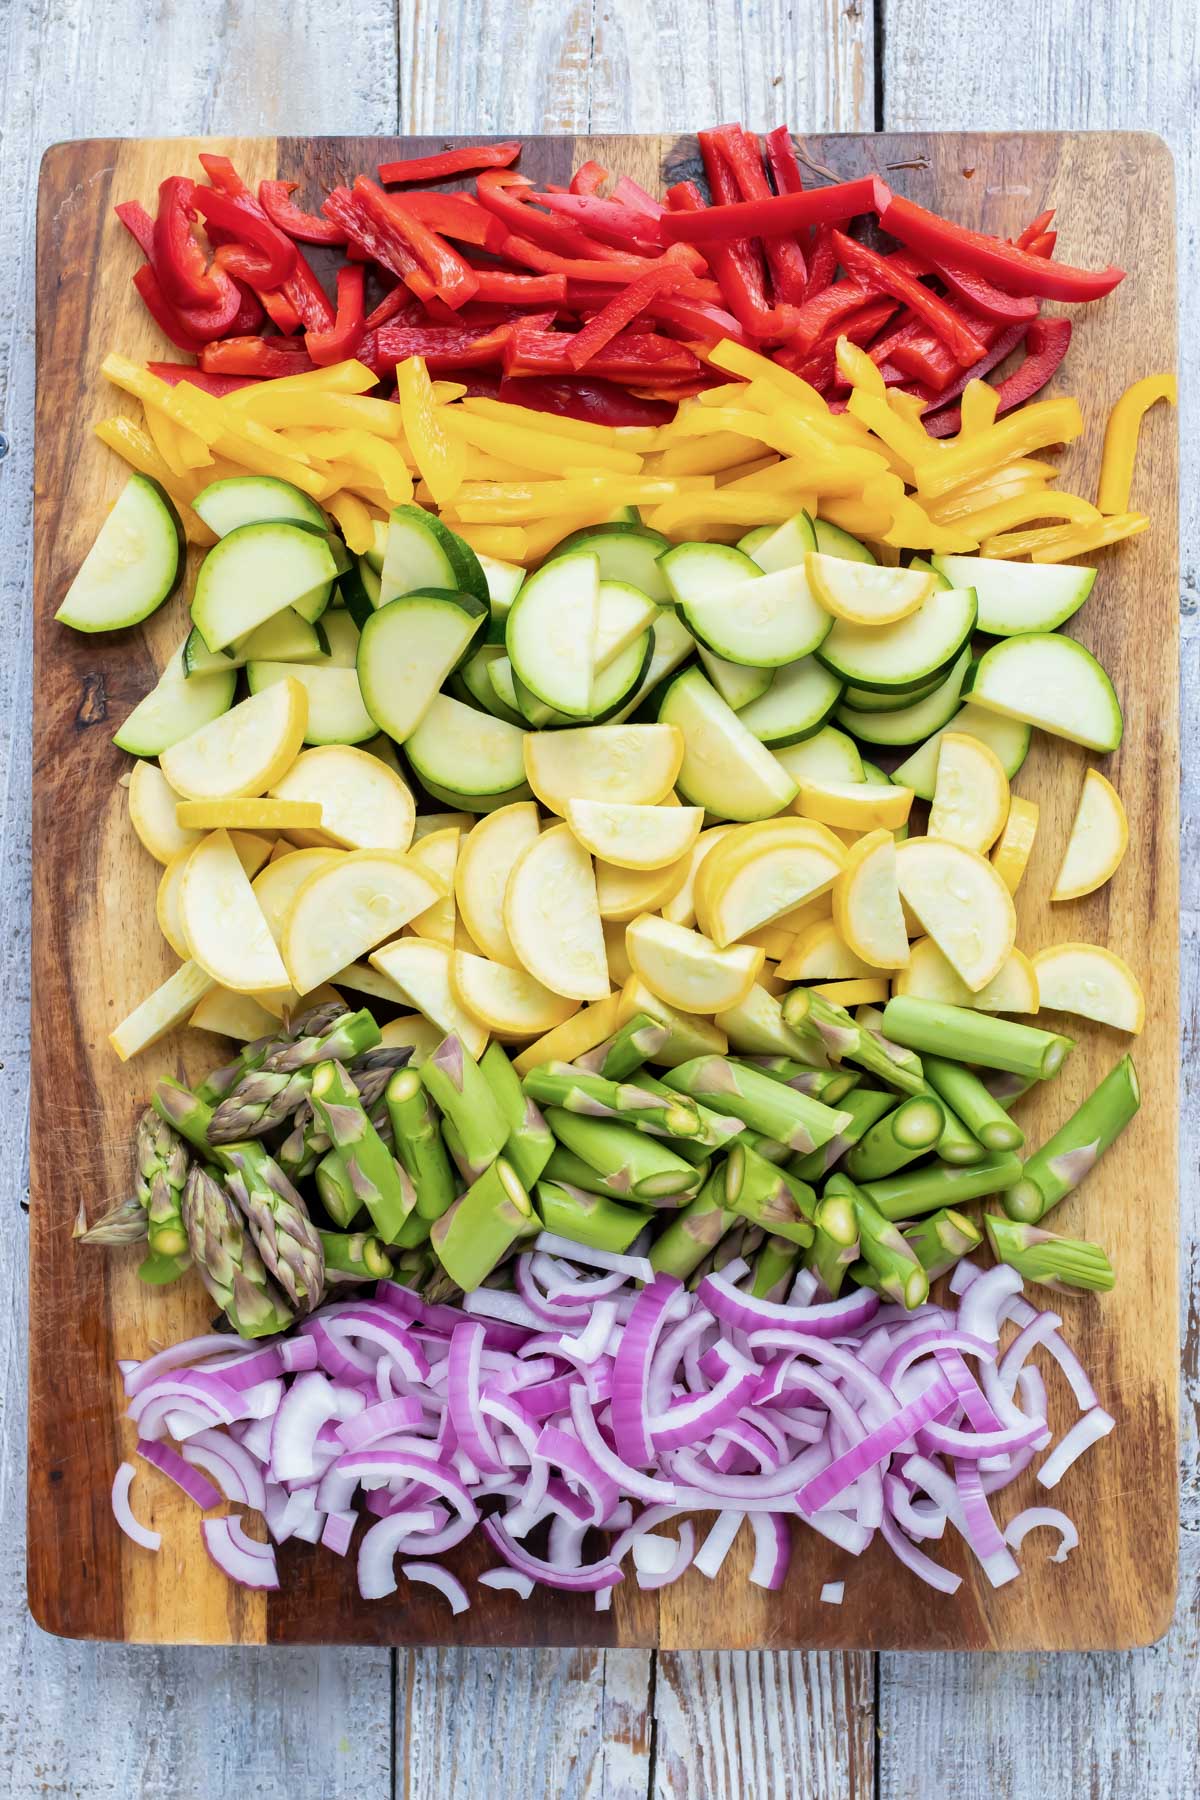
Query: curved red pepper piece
[[341, 340], [260, 253], [1045, 346], [179, 259], [451, 162], [274, 198], [216, 385], [258, 356], [893, 275], [1014, 269]]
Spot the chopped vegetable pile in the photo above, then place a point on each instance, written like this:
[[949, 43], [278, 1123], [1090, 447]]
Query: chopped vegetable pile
[[668, 977]]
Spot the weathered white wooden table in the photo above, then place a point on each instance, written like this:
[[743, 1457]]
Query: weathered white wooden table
[[125, 1724]]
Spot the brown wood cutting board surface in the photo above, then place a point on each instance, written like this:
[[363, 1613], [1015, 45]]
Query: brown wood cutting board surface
[[97, 952]]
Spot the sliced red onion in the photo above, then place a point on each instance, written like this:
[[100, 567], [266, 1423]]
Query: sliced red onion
[[564, 1546], [123, 1512], [298, 1354], [926, 1522], [922, 1566], [508, 1581], [1032, 1392], [380, 1546], [631, 1369], [772, 1550], [876, 1446], [570, 1455], [842, 1530], [561, 1282], [962, 1275], [984, 1301], [337, 1531], [256, 1435], [971, 1445], [405, 1413], [983, 1534], [804, 1289], [197, 1487], [309, 1402], [373, 1325], [660, 1561], [188, 1350], [745, 1313], [510, 1309], [191, 1392], [691, 1420], [433, 1575], [719, 1542], [239, 1556], [636, 1268], [463, 1394], [262, 1401], [230, 1464], [592, 1341], [650, 1488], [1083, 1434], [1033, 1517], [584, 1580], [242, 1372], [833, 1593]]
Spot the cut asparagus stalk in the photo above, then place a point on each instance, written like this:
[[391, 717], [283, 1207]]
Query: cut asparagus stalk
[[896, 1140], [371, 1170], [770, 1149], [692, 1235], [827, 1085], [418, 1143], [765, 1105], [835, 1243], [468, 1171], [124, 1223], [744, 1241], [354, 1256], [314, 1022], [942, 1240], [1061, 1164], [1069, 1265], [635, 1166], [530, 1140], [916, 1191], [768, 1196], [826, 1023], [266, 1096], [482, 1226], [591, 1219], [717, 1130], [412, 1267], [774, 1268], [973, 1037], [162, 1168], [1004, 1088], [965, 1094], [897, 1268], [227, 1261], [283, 1233], [460, 1090], [956, 1145], [638, 1042], [562, 1085], [569, 1170], [338, 1198], [865, 1106]]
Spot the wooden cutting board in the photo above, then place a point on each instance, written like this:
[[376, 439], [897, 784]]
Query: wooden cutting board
[[97, 951]]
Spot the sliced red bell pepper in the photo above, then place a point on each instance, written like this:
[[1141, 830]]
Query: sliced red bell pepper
[[169, 321], [188, 326], [823, 311], [588, 178], [822, 262], [264, 357], [785, 258], [509, 196], [399, 307], [1034, 230], [274, 198], [451, 162], [630, 193], [445, 348], [453, 279], [301, 300], [341, 340], [575, 268], [600, 402], [982, 295], [1002, 345], [1043, 244], [693, 318], [620, 225], [621, 310], [457, 216], [249, 314], [780, 215], [179, 259], [888, 275], [216, 385], [138, 224], [641, 357], [782, 161], [818, 363], [923, 357], [260, 253], [1010, 267], [502, 286], [739, 273], [1045, 346]]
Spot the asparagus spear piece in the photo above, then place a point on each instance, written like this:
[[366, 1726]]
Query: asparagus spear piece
[[765, 1105], [942, 1240], [459, 1089], [835, 1243], [972, 1037], [915, 1191], [412, 1267], [956, 1145], [283, 1233], [124, 1223], [560, 1084], [418, 1143], [864, 1106], [774, 1267], [965, 1094], [770, 1149], [530, 1140], [161, 1171], [482, 1226], [228, 1262], [371, 1170], [768, 1196], [896, 1140], [637, 1042], [591, 1219], [694, 1232], [468, 1171], [354, 1256], [266, 1096], [221, 1081], [1069, 1265], [635, 1166], [829, 1085], [1004, 1088], [826, 1023], [717, 1130], [571, 1171], [897, 1269], [341, 1203], [1061, 1164]]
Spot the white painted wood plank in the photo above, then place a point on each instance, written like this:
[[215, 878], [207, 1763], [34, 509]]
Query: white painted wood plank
[[1006, 1727], [81, 1719]]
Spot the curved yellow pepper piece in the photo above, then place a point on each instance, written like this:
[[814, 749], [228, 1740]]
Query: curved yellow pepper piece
[[1121, 438], [977, 407]]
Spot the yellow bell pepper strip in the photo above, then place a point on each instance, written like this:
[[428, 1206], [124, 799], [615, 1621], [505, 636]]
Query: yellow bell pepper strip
[[478, 466], [519, 504], [350, 377], [537, 448], [1121, 438], [830, 468], [541, 537], [1025, 509], [749, 475], [354, 520], [438, 452], [507, 543], [977, 407], [706, 455], [905, 439], [134, 445], [1093, 537], [1035, 426], [858, 369], [746, 508], [637, 438], [1010, 546], [1025, 476], [730, 393], [379, 461], [314, 410], [784, 477], [909, 407], [164, 434], [913, 529], [836, 428]]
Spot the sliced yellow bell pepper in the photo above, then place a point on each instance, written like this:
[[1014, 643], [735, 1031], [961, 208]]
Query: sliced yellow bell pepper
[[351, 377], [508, 543], [518, 504], [730, 393], [705, 455], [829, 468], [636, 438], [542, 535], [1004, 485], [909, 407], [913, 529], [977, 407], [164, 434], [1121, 438], [438, 452], [314, 408], [1093, 537], [134, 445], [1030, 428], [858, 369], [381, 461], [745, 508], [354, 520], [1025, 509], [910, 442], [538, 448], [749, 475], [835, 428]]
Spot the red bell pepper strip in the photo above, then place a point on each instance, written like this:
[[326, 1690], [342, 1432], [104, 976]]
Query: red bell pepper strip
[[782, 161], [398, 307], [692, 318], [630, 193], [454, 281], [640, 357], [1010, 267], [1045, 346], [782, 214], [249, 314], [1002, 345], [575, 268], [739, 274], [924, 357], [139, 225], [822, 263], [187, 326], [621, 310], [216, 385], [341, 340], [601, 402], [457, 216], [265, 357], [450, 162], [745, 270], [445, 348], [1034, 230], [169, 321], [286, 216], [500, 286], [621, 225], [822, 312], [308, 297], [818, 364], [588, 178], [889, 275], [785, 258], [179, 259], [1043, 244], [248, 225], [498, 191], [301, 300], [982, 295]]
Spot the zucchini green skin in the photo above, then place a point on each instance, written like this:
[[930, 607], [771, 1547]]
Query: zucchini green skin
[[157, 587]]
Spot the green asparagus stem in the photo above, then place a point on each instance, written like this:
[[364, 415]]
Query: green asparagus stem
[[162, 1167], [835, 1244], [482, 1226], [414, 1232], [896, 1140], [278, 1219], [693, 1233], [228, 1262], [269, 1095], [220, 1082], [770, 1149], [637, 1042], [768, 1196], [338, 1198], [898, 1271], [973, 1037], [413, 1267], [765, 1105], [942, 1240], [635, 1166], [418, 1143], [956, 1145], [1069, 1265], [591, 1219], [560, 1084], [828, 1085], [1004, 1088], [354, 1256], [1060, 1165], [124, 1223], [530, 1140], [716, 1132], [824, 1022], [864, 1106], [370, 1168], [982, 1115], [774, 1268], [570, 1170], [458, 1087], [915, 1191]]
